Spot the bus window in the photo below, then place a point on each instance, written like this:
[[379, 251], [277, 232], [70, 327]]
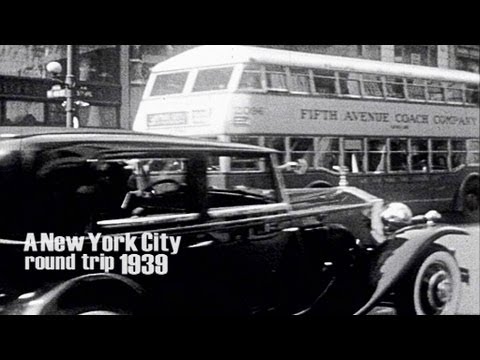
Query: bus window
[[302, 148], [459, 153], [328, 150], [398, 155], [350, 84], [245, 163], [416, 89], [168, 84], [435, 91], [395, 88], [277, 143], [299, 80], [251, 78], [419, 155], [454, 92], [471, 94], [372, 84], [354, 155], [439, 155], [276, 78], [324, 82], [377, 152], [212, 79], [473, 157]]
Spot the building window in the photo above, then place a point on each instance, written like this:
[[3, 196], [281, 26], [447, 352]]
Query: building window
[[99, 63], [24, 113], [426, 55], [89, 116], [98, 116], [29, 60], [468, 57]]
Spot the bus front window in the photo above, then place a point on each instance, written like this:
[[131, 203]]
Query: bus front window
[[212, 79], [169, 84]]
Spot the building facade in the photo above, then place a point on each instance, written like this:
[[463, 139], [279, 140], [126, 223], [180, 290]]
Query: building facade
[[115, 76]]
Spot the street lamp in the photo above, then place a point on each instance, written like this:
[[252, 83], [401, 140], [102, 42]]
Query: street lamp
[[69, 90]]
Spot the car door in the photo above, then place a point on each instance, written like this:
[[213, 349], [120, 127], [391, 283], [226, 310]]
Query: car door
[[250, 231]]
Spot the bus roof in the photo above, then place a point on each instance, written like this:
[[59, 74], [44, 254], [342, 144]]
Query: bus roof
[[219, 55]]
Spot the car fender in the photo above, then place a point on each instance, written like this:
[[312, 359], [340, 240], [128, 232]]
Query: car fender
[[42, 302], [399, 254]]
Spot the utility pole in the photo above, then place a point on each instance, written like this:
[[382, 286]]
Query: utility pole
[[70, 85]]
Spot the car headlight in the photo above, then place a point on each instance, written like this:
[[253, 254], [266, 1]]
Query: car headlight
[[396, 216]]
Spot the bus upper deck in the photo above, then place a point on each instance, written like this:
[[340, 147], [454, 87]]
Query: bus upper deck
[[215, 68]]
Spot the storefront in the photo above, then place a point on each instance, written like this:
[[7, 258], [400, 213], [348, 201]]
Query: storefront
[[24, 84]]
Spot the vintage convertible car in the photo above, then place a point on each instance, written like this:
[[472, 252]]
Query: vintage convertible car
[[247, 245]]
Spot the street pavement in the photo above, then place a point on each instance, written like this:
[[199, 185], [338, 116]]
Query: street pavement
[[468, 256]]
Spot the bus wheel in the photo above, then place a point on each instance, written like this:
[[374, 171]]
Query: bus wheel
[[470, 201], [433, 286]]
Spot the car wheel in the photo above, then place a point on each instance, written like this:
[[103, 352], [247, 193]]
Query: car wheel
[[433, 287]]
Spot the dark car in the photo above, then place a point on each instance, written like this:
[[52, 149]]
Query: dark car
[[158, 229]]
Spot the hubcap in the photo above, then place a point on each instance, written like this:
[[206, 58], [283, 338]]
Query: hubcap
[[436, 290]]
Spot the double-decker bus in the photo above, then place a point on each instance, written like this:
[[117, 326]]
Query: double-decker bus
[[402, 132]]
